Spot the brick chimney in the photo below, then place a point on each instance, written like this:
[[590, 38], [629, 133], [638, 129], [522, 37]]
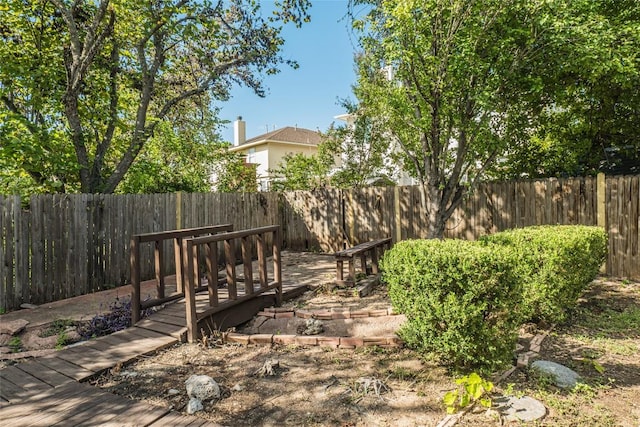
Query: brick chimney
[[239, 132]]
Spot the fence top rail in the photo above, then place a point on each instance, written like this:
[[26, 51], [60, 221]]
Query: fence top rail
[[186, 232], [232, 235]]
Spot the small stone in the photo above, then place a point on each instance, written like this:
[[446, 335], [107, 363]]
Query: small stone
[[173, 392], [311, 327], [14, 327], [269, 368], [563, 376], [237, 387], [520, 408], [202, 387], [28, 306], [194, 406]]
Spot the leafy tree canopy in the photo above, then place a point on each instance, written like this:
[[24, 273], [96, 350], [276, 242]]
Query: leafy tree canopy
[[85, 85]]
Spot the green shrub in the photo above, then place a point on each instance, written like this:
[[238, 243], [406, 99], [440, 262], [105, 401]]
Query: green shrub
[[461, 300], [556, 264]]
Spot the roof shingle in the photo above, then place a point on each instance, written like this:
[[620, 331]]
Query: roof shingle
[[289, 134]]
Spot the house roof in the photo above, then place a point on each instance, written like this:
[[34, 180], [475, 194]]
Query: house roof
[[288, 134]]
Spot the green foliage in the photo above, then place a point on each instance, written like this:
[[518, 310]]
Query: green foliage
[[471, 389], [365, 155], [302, 172], [556, 264], [461, 300], [15, 344], [58, 326], [85, 86]]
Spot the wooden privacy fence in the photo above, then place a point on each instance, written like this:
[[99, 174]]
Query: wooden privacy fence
[[67, 245]]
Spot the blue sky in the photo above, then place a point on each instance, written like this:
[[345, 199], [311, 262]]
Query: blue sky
[[307, 97]]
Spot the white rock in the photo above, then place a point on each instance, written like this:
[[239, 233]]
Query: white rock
[[194, 406], [237, 387], [173, 392], [524, 408], [202, 387]]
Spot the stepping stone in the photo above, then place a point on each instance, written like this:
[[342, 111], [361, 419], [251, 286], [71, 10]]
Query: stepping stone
[[520, 408], [14, 327], [563, 376]]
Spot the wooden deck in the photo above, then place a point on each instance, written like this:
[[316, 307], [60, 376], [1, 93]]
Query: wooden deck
[[49, 390]]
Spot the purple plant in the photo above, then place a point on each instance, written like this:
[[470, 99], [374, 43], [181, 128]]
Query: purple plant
[[116, 319]]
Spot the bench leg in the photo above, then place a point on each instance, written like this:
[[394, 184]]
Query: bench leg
[[339, 272], [374, 261], [352, 270], [363, 262]]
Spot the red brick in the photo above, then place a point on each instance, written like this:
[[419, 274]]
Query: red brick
[[237, 338], [523, 360], [341, 315], [322, 315], [359, 314], [285, 315], [351, 341], [306, 340], [280, 309], [378, 313], [347, 347], [284, 339], [260, 339], [304, 314], [371, 341], [332, 342], [267, 314]]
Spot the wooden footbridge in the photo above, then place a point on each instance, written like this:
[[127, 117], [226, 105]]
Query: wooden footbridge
[[50, 390]]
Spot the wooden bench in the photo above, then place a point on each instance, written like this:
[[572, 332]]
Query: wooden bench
[[360, 251]]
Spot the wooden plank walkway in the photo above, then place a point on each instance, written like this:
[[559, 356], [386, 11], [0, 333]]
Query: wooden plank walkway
[[49, 391]]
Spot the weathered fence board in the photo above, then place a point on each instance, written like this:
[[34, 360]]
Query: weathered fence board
[[66, 245]]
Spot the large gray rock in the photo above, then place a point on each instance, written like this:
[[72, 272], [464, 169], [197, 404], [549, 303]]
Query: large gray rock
[[563, 376], [202, 387], [520, 408]]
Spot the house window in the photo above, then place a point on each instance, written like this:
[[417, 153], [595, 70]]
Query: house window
[[251, 155]]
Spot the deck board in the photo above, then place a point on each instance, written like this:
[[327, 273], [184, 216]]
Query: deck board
[[23, 380], [65, 367], [49, 376]]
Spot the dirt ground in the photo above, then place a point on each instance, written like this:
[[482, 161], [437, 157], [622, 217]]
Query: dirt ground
[[322, 386], [375, 386]]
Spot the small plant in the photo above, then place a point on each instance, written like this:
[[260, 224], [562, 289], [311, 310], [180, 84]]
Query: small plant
[[57, 326], [471, 389], [15, 344], [117, 319], [62, 340]]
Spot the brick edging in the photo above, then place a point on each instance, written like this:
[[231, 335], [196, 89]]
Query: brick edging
[[281, 313], [387, 341]]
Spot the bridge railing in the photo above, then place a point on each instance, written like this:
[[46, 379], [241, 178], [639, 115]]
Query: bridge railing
[[157, 239], [236, 294]]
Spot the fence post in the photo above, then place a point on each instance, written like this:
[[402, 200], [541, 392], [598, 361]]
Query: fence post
[[396, 208], [135, 279], [601, 201], [178, 210]]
